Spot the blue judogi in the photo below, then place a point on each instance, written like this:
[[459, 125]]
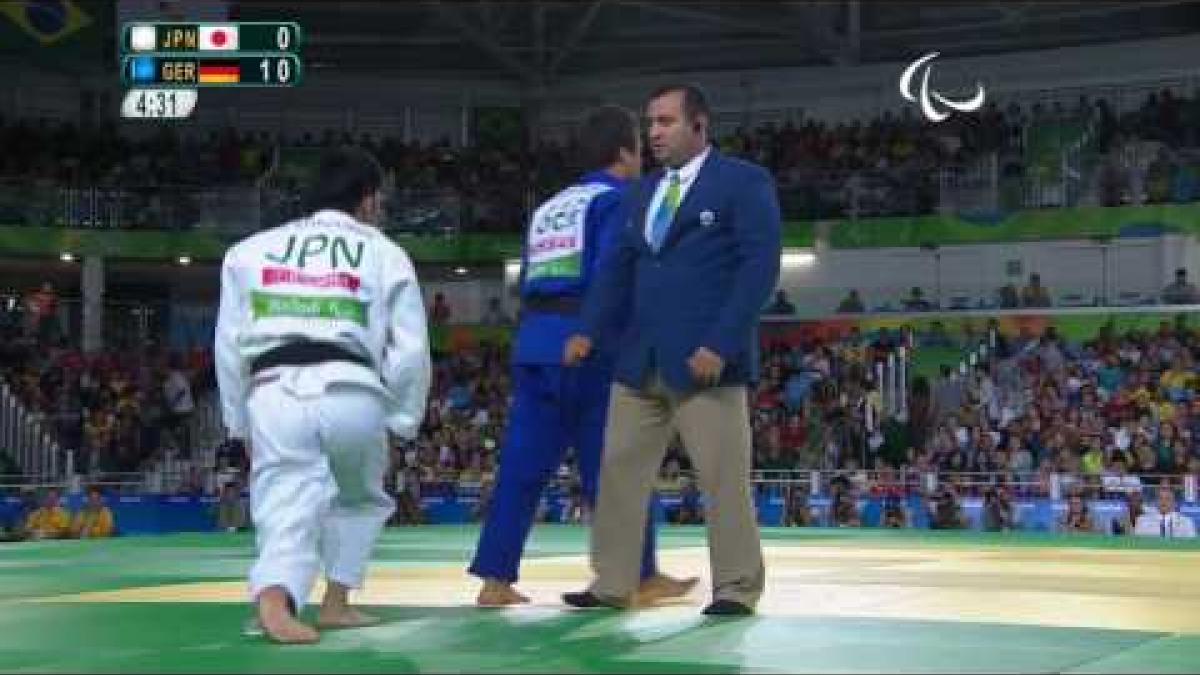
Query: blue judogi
[[554, 407]]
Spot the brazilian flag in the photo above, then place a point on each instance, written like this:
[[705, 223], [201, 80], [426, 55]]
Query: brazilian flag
[[47, 21]]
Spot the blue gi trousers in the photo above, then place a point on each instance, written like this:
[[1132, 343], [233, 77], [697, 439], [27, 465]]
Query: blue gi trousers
[[553, 408]]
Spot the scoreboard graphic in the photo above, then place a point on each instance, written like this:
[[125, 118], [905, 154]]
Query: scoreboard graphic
[[165, 64]]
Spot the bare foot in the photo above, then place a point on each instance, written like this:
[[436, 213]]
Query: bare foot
[[497, 593], [278, 623], [345, 617], [336, 611], [662, 587]]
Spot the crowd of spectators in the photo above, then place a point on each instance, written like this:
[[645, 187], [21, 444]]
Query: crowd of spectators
[[65, 154], [1107, 418], [1104, 418], [460, 437], [883, 165], [1040, 403], [119, 409]]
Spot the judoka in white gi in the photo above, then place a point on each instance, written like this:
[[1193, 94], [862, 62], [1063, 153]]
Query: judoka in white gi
[[321, 350]]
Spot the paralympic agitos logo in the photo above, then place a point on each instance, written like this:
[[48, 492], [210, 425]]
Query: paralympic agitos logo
[[927, 96]]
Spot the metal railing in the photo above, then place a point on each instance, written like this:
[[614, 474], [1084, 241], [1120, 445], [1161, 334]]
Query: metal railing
[[172, 477], [208, 428], [980, 185], [25, 437], [155, 207], [974, 187], [854, 194], [1019, 484], [238, 210], [127, 324], [1107, 291], [1078, 175]]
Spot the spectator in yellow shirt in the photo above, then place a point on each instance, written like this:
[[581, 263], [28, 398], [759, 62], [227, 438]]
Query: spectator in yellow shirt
[[1164, 411], [1142, 397], [94, 519], [1176, 382], [1093, 461], [51, 521]]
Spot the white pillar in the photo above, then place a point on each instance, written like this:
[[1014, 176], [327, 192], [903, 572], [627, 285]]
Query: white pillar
[[881, 384], [74, 480], [893, 385]]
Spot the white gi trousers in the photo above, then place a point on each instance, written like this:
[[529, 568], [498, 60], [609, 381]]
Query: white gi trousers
[[318, 456]]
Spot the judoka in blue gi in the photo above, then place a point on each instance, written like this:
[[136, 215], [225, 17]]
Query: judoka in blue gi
[[556, 407]]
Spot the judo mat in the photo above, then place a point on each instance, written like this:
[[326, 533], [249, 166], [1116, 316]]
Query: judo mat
[[836, 601]]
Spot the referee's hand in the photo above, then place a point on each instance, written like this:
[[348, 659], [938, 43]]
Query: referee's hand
[[706, 367], [577, 349]]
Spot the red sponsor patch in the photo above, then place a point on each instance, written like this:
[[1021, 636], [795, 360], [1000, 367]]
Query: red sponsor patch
[[554, 243], [283, 275]]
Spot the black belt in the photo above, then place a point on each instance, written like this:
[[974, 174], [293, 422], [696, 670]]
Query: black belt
[[552, 304], [306, 353]]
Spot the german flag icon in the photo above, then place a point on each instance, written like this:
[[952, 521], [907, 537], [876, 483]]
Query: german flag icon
[[219, 72]]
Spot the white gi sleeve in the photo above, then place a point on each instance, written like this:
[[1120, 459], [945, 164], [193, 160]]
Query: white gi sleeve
[[405, 368], [232, 376]]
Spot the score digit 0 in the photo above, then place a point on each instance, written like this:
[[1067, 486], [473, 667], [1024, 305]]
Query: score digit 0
[[283, 38]]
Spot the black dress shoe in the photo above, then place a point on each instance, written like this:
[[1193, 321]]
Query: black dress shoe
[[728, 608], [588, 600]]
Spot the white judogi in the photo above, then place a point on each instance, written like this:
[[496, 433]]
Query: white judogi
[[318, 432]]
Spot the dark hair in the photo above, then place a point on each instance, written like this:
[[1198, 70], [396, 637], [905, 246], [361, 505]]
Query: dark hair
[[605, 132], [346, 175], [695, 103]]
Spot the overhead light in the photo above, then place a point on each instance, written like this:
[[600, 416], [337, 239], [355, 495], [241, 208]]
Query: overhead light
[[66, 257], [460, 271], [184, 260], [798, 258], [512, 270]]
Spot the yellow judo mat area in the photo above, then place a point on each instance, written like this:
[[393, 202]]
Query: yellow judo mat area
[[836, 600]]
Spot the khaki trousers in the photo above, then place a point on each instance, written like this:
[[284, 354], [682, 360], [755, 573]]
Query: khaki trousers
[[714, 425]]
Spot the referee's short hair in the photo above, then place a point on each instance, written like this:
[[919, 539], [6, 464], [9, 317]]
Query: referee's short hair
[[346, 175], [695, 101], [606, 130]]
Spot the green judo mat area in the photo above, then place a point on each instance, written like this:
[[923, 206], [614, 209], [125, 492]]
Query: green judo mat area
[[836, 601]]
